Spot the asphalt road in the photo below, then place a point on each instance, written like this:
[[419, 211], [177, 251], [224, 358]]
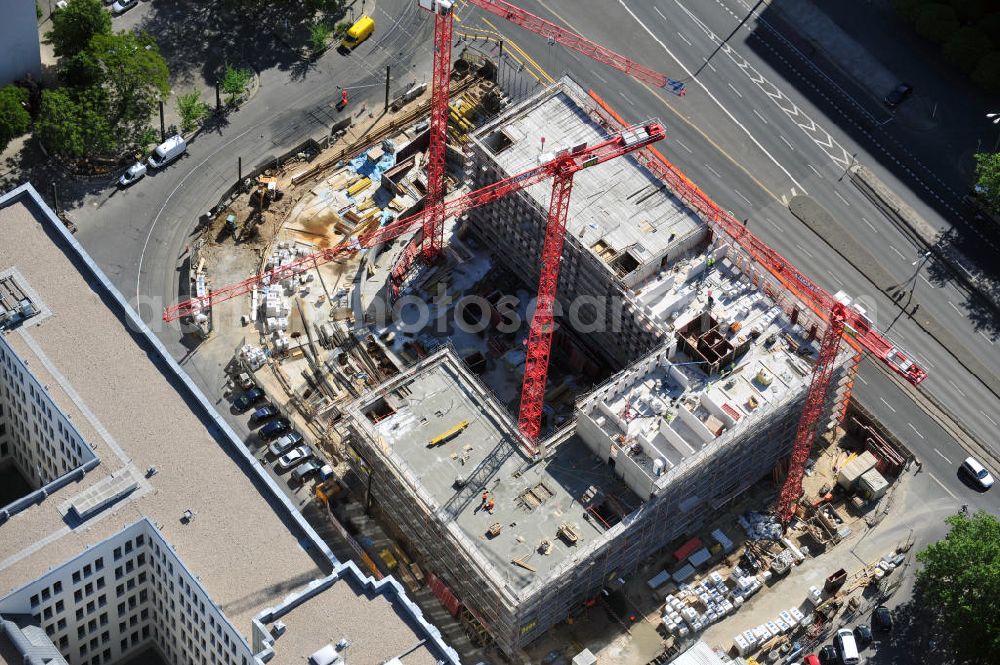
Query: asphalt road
[[730, 134], [751, 139]]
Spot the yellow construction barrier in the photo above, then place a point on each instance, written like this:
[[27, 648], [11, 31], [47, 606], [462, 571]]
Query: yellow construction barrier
[[448, 435]]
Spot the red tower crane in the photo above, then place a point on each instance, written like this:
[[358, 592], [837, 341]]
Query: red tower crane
[[842, 321], [432, 234]]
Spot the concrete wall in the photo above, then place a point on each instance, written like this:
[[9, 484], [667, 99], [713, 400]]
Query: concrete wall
[[21, 53]]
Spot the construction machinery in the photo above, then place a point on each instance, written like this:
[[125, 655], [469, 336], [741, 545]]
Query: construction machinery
[[448, 434]]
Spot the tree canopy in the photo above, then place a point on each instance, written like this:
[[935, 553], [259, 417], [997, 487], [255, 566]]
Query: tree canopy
[[76, 24], [961, 577], [14, 118], [113, 87], [988, 174]]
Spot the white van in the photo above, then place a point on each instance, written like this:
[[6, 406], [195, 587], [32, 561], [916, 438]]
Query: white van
[[167, 152], [847, 647]]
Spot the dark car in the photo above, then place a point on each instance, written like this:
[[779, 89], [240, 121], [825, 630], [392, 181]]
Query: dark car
[[828, 655], [274, 429], [898, 95], [305, 471], [862, 635], [265, 412], [882, 619], [248, 399]]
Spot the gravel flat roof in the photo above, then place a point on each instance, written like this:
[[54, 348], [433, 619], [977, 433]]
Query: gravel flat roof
[[245, 549]]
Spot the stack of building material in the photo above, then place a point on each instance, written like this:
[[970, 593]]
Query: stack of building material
[[760, 526], [853, 470], [254, 356]]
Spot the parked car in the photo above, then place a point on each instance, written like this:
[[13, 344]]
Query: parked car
[[248, 399], [274, 429], [285, 443], [975, 470], [847, 648], [167, 152], [265, 412], [293, 458], [863, 635], [305, 470], [132, 174], [828, 655], [359, 32], [898, 95], [122, 6], [882, 619], [811, 659]]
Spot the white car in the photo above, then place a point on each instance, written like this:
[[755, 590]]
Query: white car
[[285, 443], [133, 173], [293, 458], [977, 472], [122, 6]]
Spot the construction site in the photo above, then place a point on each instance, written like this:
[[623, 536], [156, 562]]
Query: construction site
[[546, 362]]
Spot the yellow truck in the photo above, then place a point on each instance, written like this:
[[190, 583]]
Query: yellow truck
[[448, 435], [359, 32]]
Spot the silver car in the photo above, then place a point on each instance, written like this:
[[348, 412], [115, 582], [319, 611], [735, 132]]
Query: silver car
[[285, 443], [977, 472], [122, 6], [293, 458]]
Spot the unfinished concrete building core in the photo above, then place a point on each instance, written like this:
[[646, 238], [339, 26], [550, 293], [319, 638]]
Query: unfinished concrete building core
[[623, 224]]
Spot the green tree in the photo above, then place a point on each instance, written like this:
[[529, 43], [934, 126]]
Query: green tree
[[988, 179], [235, 83], [134, 78], [319, 33], [75, 25], [966, 47], [936, 22], [341, 28], [75, 125], [987, 72], [14, 118], [192, 110], [961, 578]]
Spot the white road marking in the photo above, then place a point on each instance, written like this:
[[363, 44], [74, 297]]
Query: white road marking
[[685, 39], [707, 92], [959, 390], [814, 170], [625, 98], [735, 90], [985, 415], [924, 361], [709, 64], [794, 193], [954, 307], [934, 478], [837, 194], [942, 456], [762, 118], [681, 144], [805, 251], [872, 226], [598, 75], [786, 142], [926, 281], [739, 194], [882, 399], [661, 14], [835, 278], [986, 337], [897, 252], [915, 430], [713, 171], [784, 200], [771, 222], [861, 379]]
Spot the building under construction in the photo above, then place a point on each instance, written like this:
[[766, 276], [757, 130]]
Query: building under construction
[[709, 367]]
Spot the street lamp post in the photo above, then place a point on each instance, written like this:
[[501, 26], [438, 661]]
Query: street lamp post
[[995, 119]]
